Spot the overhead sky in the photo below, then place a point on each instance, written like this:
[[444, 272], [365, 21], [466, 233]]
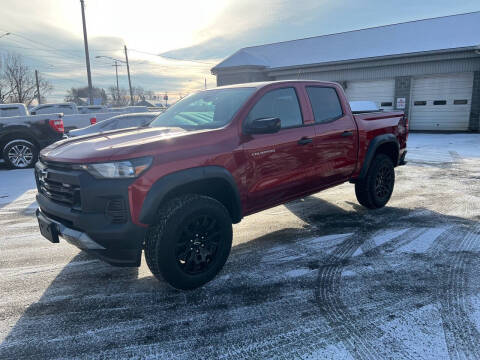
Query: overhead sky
[[48, 33]]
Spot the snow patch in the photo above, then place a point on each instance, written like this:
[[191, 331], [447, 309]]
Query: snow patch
[[423, 242], [297, 272], [380, 238]]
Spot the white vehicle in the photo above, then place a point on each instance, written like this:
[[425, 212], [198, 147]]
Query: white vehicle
[[129, 109], [75, 118], [9, 110], [68, 108], [89, 109]]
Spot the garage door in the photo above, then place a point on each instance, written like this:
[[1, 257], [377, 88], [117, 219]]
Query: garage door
[[382, 92], [441, 102]]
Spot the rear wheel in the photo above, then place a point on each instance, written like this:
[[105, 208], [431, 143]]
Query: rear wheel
[[20, 153], [190, 242], [376, 188]]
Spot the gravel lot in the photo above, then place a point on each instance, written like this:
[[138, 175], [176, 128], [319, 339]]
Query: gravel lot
[[320, 277]]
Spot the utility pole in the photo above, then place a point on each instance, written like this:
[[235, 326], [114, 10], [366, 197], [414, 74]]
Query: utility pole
[[116, 74], [38, 88], [87, 55], [128, 72]]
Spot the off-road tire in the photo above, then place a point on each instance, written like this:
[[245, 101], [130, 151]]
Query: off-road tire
[[174, 220], [26, 150], [376, 188]]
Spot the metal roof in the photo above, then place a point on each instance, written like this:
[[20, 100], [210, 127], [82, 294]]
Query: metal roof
[[437, 34]]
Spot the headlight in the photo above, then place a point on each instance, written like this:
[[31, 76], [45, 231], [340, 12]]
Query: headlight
[[118, 169]]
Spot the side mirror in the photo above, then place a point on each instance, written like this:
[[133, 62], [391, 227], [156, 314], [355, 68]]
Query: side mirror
[[263, 126]]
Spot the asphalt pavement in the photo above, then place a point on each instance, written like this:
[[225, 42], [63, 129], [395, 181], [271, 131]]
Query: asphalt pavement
[[320, 277]]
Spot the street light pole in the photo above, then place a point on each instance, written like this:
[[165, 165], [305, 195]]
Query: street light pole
[[116, 70], [116, 75], [128, 72], [87, 55], [38, 88]]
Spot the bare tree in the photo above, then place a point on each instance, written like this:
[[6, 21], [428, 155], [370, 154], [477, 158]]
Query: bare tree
[[76, 94], [120, 98], [5, 92], [138, 94], [19, 81]]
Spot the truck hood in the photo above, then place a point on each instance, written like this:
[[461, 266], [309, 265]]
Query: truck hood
[[112, 145]]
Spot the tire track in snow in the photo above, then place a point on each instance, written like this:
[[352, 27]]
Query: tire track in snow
[[461, 335], [361, 340]]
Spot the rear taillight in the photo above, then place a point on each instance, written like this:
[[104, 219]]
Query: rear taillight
[[57, 125], [93, 121]]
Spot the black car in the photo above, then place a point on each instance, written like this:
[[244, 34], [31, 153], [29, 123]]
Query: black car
[[116, 123], [22, 137]]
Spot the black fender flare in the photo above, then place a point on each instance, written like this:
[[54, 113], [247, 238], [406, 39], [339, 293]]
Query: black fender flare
[[167, 183], [375, 143]]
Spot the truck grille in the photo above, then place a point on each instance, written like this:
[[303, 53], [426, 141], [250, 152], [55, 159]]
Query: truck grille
[[60, 192]]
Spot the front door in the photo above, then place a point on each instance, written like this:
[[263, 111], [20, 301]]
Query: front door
[[280, 165]]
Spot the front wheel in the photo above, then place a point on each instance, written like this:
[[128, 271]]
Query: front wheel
[[20, 154], [190, 242], [376, 188]]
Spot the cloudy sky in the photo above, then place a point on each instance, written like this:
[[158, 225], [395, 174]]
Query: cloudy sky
[[48, 33]]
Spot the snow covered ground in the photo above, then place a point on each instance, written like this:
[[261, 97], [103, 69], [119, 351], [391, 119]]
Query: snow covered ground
[[317, 278]]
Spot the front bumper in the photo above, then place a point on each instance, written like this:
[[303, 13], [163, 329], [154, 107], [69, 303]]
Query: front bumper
[[86, 222], [117, 251]]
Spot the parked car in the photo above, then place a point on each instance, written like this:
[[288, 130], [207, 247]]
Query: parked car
[[91, 109], [9, 110], [174, 188], [116, 123], [67, 108], [74, 118], [22, 137]]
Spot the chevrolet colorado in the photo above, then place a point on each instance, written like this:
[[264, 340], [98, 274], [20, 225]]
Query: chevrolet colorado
[[174, 189]]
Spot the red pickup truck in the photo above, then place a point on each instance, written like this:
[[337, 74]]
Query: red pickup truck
[[174, 188]]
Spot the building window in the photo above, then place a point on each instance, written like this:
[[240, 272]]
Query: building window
[[460, 102], [325, 103], [420, 103], [388, 103], [439, 102]]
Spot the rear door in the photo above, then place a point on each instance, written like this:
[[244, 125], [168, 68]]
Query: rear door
[[281, 165], [336, 136]]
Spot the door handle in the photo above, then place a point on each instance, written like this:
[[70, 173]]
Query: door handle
[[304, 141], [347, 133]]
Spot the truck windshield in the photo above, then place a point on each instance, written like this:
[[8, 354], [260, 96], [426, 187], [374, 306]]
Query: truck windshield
[[209, 109]]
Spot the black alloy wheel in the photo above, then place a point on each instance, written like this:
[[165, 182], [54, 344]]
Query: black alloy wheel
[[384, 181], [197, 245]]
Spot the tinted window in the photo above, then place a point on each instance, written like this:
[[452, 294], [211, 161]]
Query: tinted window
[[106, 125], [420, 103], [209, 109], [325, 103], [66, 109], [44, 109], [9, 111], [460, 102], [132, 121], [440, 102], [388, 103], [280, 103]]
